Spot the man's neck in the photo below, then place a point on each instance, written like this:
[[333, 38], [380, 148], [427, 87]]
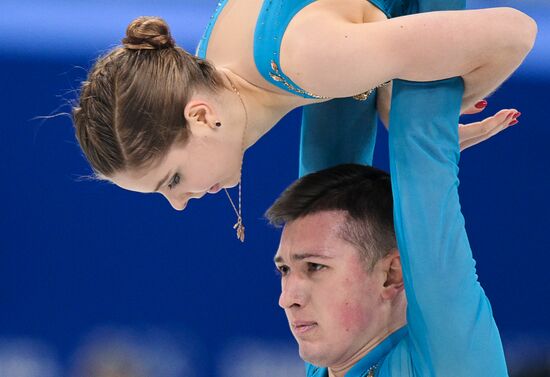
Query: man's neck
[[340, 370]]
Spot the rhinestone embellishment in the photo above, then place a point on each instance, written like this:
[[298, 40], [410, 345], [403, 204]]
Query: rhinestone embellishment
[[275, 74], [365, 96]]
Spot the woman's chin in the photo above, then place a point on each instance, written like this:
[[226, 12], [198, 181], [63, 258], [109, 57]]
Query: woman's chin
[[231, 184]]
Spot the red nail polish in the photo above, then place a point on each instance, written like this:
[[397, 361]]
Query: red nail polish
[[481, 104], [517, 115], [514, 122]]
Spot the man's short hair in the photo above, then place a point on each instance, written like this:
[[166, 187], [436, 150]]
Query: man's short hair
[[362, 192]]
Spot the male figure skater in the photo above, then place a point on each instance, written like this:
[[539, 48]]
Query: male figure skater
[[362, 300]]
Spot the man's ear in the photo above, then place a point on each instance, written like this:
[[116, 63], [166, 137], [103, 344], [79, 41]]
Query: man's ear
[[199, 113], [394, 275]]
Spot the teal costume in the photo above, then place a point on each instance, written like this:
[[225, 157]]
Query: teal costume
[[451, 330]]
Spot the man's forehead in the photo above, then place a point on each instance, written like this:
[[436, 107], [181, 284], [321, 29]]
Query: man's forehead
[[311, 235], [299, 256], [325, 221]]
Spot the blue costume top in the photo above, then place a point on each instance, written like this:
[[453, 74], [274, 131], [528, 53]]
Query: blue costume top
[[450, 328]]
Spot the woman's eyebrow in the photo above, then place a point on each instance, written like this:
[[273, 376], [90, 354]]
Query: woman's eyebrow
[[162, 182]]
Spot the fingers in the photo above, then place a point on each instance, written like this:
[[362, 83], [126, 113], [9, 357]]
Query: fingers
[[477, 108], [474, 133], [498, 121]]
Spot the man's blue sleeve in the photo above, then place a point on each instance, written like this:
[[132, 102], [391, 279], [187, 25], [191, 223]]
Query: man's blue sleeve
[[338, 131], [343, 130], [451, 326]]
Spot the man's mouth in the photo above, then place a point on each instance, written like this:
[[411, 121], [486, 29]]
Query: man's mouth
[[302, 327]]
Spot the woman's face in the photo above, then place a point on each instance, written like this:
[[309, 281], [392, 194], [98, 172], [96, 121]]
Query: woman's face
[[207, 163]]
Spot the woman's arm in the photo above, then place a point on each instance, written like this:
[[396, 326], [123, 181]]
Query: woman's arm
[[339, 58]]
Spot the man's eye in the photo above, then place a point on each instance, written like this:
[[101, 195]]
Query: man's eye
[[314, 267], [282, 270], [175, 180]]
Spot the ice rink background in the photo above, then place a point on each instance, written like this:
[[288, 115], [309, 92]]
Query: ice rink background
[[95, 280]]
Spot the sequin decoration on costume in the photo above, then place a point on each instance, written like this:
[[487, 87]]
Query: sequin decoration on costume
[[365, 96], [371, 371], [276, 75]]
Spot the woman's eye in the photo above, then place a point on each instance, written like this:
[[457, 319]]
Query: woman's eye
[[314, 267], [282, 270], [175, 180]]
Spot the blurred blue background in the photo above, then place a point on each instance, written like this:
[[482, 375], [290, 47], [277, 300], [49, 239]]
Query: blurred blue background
[[95, 280]]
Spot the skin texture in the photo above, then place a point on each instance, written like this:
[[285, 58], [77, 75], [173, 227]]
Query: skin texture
[[337, 309]]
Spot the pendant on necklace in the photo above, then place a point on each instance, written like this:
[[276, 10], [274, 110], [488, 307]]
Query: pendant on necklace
[[240, 229]]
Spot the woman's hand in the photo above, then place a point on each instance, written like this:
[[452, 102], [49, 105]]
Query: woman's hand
[[469, 134], [474, 133]]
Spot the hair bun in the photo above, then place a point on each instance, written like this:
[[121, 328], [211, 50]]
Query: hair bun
[[148, 33]]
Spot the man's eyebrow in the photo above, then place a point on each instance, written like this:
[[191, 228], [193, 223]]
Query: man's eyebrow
[[162, 182], [301, 256]]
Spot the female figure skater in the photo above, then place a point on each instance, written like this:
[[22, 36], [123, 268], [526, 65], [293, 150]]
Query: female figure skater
[[154, 118]]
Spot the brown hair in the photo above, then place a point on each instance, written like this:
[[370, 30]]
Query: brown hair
[[130, 110], [362, 192]]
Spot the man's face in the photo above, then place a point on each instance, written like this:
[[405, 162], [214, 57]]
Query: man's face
[[332, 303]]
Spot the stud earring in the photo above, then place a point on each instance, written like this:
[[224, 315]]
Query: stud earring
[[218, 124]]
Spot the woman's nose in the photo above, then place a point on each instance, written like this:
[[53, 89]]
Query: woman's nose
[[178, 204]]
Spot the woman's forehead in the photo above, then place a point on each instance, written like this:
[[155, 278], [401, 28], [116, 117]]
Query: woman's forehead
[[143, 180]]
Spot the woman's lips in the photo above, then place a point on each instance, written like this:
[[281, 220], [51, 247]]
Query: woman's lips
[[214, 189]]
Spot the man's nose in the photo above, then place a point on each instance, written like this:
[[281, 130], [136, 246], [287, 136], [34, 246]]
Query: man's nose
[[293, 293]]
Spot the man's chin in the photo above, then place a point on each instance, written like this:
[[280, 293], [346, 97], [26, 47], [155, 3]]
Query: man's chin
[[313, 355]]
